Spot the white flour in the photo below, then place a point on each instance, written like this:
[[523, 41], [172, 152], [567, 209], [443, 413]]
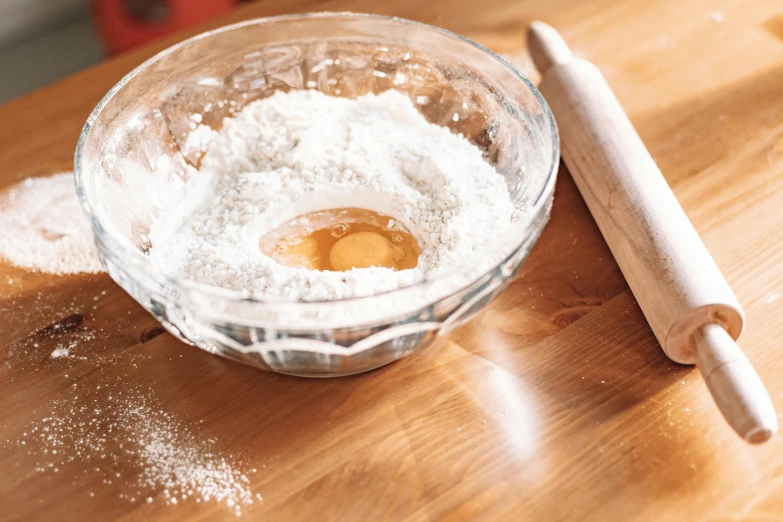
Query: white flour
[[304, 151], [44, 229], [136, 444]]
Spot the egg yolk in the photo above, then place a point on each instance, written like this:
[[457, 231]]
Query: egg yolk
[[362, 250], [340, 240]]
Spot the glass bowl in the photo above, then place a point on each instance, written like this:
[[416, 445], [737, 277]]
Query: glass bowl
[[136, 156]]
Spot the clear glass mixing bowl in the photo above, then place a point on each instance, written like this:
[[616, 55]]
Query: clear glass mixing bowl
[[135, 160]]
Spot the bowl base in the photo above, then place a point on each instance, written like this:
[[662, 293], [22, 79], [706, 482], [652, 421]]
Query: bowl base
[[338, 374]]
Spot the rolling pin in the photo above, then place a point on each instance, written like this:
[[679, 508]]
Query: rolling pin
[[686, 300]]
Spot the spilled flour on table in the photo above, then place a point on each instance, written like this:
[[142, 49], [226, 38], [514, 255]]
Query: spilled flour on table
[[121, 428], [69, 346], [44, 229], [65, 341], [61, 352]]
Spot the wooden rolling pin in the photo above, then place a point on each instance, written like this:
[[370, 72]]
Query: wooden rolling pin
[[690, 307]]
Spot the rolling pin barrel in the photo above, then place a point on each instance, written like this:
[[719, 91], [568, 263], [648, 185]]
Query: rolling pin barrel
[[689, 305]]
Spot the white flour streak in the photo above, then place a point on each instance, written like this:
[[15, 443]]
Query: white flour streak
[[44, 229], [60, 352]]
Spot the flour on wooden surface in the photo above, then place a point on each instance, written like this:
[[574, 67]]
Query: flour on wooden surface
[[43, 227], [302, 151], [151, 454]]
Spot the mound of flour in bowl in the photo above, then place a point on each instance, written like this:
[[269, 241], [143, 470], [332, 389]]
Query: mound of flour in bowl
[[302, 151]]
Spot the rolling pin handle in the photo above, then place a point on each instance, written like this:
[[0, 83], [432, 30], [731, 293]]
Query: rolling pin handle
[[734, 384], [547, 48]]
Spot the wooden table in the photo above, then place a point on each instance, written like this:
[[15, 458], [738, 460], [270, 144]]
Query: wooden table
[[556, 403]]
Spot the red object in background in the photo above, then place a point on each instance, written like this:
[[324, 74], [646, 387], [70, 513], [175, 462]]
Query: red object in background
[[125, 24]]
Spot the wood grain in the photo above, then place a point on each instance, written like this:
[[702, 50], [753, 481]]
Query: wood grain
[[554, 404]]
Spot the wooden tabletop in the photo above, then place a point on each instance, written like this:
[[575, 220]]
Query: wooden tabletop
[[556, 403]]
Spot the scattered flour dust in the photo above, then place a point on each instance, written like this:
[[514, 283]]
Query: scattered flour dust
[[44, 229], [61, 351], [121, 429], [303, 151], [69, 346]]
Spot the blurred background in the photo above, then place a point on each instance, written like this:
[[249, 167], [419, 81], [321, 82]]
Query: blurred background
[[44, 40]]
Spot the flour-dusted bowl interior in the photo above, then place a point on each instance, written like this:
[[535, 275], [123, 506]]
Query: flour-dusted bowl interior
[[139, 153]]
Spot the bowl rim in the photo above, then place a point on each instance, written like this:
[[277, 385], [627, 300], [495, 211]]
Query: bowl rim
[[125, 253]]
